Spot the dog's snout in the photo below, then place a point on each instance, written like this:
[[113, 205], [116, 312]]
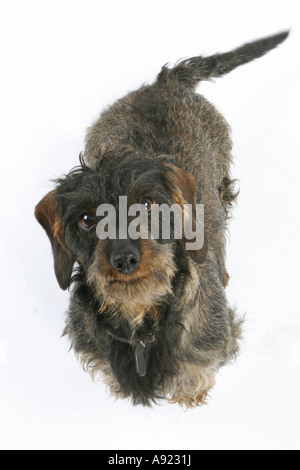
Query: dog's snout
[[125, 258]]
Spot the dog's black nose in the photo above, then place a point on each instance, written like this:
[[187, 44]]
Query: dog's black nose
[[125, 258]]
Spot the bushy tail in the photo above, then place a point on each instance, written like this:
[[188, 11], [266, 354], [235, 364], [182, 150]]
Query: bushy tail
[[191, 71]]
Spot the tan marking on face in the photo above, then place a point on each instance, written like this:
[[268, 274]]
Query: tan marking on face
[[135, 294]]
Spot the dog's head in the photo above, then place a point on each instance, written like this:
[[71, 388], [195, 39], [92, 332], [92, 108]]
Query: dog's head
[[122, 269]]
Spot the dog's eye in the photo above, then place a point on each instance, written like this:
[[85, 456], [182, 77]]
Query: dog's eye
[[147, 203], [87, 221]]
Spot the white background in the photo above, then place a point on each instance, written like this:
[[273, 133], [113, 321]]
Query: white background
[[61, 63]]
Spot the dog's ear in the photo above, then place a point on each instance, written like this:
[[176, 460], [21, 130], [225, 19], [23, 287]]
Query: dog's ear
[[184, 192], [46, 214]]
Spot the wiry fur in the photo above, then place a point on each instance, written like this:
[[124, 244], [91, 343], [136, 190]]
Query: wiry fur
[[163, 140]]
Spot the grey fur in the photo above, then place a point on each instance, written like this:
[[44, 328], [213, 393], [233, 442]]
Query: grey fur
[[167, 118]]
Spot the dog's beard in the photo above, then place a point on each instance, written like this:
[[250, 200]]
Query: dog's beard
[[135, 294]]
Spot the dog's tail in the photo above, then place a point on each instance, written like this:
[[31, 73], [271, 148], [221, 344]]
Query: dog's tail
[[190, 72]]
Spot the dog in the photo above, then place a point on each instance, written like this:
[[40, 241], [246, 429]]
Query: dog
[[147, 315]]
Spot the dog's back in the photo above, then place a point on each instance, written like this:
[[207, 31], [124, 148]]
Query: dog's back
[[157, 119]]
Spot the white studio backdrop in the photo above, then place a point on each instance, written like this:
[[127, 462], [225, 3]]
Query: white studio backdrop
[[61, 63]]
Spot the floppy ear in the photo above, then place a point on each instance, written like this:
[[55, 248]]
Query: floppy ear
[[46, 214], [184, 192]]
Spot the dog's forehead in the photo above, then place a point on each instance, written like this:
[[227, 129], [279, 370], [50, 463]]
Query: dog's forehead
[[123, 176], [134, 177], [131, 165]]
